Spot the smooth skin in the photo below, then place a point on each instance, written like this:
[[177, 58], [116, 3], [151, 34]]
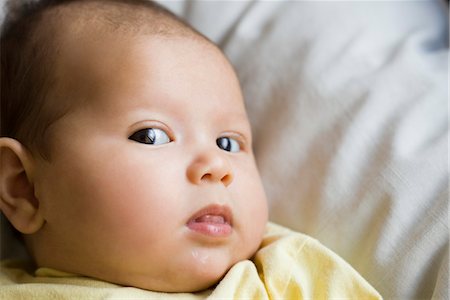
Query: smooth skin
[[111, 206]]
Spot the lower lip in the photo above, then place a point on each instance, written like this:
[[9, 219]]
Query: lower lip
[[211, 229]]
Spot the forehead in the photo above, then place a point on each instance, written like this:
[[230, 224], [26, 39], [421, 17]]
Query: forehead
[[97, 41], [126, 17], [120, 72]]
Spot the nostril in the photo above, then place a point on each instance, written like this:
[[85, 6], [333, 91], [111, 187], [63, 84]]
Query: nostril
[[206, 176], [227, 179]]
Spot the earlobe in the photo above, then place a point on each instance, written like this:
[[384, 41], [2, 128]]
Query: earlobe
[[17, 200]]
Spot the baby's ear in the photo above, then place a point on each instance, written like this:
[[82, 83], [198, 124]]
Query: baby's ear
[[17, 200]]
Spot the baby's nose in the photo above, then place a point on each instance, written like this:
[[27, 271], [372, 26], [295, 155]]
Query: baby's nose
[[211, 166]]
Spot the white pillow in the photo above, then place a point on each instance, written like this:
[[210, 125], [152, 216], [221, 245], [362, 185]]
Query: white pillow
[[348, 102]]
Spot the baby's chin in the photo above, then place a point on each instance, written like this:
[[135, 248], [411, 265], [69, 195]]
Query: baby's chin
[[191, 284], [196, 279]]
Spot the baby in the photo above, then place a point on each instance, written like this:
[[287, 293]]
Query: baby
[[126, 152]]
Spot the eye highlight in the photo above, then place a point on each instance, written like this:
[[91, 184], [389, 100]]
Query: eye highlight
[[228, 144], [150, 136]]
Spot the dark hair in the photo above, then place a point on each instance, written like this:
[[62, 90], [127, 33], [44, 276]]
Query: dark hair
[[29, 46]]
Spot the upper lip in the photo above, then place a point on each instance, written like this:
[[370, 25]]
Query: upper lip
[[215, 210]]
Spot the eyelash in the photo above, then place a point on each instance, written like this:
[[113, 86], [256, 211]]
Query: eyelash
[[151, 136]]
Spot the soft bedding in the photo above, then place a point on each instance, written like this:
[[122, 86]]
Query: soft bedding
[[349, 106]]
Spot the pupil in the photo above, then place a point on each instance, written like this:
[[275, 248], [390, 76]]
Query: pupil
[[148, 136], [224, 144]]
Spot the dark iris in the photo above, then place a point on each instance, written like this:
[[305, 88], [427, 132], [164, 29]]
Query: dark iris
[[224, 143], [145, 136]]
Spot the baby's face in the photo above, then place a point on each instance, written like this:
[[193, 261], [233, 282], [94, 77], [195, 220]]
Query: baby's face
[[152, 181]]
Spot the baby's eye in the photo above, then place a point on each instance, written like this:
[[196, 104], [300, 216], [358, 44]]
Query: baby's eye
[[228, 144], [151, 136]]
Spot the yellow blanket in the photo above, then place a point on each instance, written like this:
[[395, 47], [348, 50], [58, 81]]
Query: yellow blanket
[[288, 265]]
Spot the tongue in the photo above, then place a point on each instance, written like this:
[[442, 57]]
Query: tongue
[[210, 219]]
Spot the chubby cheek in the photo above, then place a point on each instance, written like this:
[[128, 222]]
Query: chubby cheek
[[115, 199], [251, 204], [134, 198]]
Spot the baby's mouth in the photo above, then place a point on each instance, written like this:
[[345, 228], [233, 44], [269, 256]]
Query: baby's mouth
[[213, 220]]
